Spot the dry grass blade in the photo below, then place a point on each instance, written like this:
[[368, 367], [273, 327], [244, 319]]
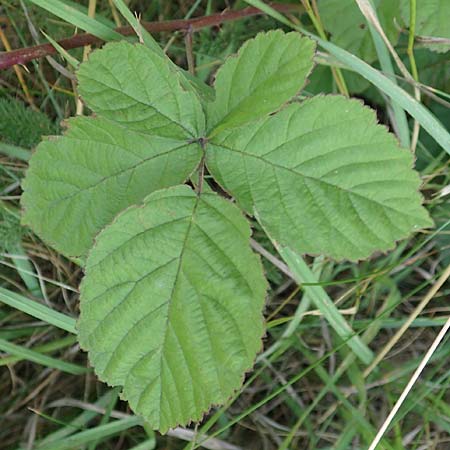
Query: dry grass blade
[[180, 433], [410, 384], [420, 307]]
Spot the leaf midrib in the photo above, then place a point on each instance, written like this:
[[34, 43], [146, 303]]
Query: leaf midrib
[[121, 172], [170, 298], [223, 121], [318, 180], [140, 102]]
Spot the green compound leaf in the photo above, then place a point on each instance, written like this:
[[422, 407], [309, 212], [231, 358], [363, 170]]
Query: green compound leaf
[[432, 21], [134, 86], [267, 72], [77, 183], [171, 305], [322, 178], [348, 27]]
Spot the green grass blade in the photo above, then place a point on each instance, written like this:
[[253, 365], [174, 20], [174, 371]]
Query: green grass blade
[[426, 119], [149, 444], [37, 310], [106, 417], [16, 333], [294, 322], [77, 423], [84, 9], [346, 436], [138, 28], [319, 297], [77, 18], [400, 119], [365, 428], [25, 269], [39, 358], [13, 151], [45, 348], [62, 52], [100, 432]]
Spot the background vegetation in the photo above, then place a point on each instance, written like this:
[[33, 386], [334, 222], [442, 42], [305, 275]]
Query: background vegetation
[[309, 389]]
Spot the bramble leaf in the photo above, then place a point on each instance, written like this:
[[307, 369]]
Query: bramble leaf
[[322, 177], [267, 72], [77, 183], [171, 305], [134, 86]]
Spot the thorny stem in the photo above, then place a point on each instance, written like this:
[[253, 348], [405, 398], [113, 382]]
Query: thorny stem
[[18, 71], [24, 55]]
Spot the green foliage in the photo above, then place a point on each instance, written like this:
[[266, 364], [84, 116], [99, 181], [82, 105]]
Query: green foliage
[[172, 298], [195, 300], [354, 35], [267, 72], [134, 86], [441, 216], [10, 229], [97, 169], [435, 71], [321, 80], [432, 17], [348, 27], [22, 126], [346, 164]]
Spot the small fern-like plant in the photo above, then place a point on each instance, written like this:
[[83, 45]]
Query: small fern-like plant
[[172, 298], [22, 126]]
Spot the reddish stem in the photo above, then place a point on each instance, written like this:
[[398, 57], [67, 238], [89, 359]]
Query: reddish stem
[[24, 55]]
